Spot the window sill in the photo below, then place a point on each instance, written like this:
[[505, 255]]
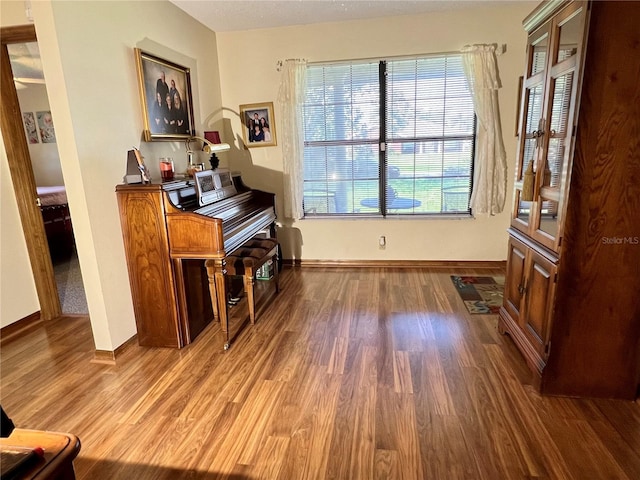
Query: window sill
[[391, 217]]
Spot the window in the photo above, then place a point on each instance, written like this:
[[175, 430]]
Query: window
[[386, 138]]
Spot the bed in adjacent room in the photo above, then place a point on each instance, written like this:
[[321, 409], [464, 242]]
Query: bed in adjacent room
[[56, 218]]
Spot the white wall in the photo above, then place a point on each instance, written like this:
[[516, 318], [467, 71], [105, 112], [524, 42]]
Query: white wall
[[44, 156], [18, 297], [249, 75]]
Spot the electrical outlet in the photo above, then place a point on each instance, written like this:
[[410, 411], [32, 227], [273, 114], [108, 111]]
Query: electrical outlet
[[382, 242]]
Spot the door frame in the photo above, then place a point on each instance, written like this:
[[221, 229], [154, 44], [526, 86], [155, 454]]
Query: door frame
[[21, 171]]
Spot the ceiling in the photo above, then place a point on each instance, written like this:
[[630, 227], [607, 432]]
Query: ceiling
[[234, 15]]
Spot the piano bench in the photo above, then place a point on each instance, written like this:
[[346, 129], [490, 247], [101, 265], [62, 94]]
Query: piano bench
[[247, 260]]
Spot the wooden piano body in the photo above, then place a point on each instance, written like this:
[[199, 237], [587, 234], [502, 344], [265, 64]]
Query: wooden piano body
[[168, 235]]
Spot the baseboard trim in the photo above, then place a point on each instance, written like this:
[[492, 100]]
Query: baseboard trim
[[108, 357], [433, 264], [104, 357], [21, 327]]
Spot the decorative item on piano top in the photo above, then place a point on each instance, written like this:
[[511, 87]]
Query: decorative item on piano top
[[207, 147], [166, 169], [137, 171], [214, 138]]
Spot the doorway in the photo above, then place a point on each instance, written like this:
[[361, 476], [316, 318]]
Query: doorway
[[45, 163], [22, 173]]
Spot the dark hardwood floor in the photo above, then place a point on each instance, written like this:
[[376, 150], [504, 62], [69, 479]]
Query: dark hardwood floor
[[349, 373]]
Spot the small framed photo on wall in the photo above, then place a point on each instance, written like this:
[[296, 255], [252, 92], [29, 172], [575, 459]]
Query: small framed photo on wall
[[259, 124]]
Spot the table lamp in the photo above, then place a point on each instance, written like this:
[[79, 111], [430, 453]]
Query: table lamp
[[210, 144]]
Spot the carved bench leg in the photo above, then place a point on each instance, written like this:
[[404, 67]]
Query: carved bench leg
[[249, 285]]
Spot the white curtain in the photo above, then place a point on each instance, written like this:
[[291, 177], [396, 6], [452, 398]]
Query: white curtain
[[490, 168], [291, 97]]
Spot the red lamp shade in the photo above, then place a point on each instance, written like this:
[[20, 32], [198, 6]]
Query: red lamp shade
[[213, 137]]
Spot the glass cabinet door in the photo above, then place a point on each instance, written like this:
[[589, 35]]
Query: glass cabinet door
[[552, 174], [554, 160], [529, 151], [532, 104]]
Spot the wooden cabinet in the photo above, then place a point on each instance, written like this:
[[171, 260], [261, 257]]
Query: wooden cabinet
[[528, 300], [574, 251]]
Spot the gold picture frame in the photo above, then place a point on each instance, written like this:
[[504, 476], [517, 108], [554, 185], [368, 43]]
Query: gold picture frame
[[163, 83], [258, 124]]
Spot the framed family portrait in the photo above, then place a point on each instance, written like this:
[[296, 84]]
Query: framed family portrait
[[165, 94], [259, 124]]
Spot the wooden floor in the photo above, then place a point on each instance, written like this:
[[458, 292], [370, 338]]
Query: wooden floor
[[349, 374]]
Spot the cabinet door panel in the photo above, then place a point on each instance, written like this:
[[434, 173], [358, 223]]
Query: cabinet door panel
[[570, 28], [532, 104], [538, 52], [560, 92], [540, 290], [546, 125], [553, 176], [528, 153], [515, 274]]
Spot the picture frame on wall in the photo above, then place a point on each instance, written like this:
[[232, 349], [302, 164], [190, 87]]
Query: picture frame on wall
[[165, 94], [45, 127], [30, 127], [259, 126]]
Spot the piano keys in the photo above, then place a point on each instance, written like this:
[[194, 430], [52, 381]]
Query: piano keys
[[169, 230]]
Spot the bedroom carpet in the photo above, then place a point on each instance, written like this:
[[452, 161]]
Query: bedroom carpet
[[70, 287]]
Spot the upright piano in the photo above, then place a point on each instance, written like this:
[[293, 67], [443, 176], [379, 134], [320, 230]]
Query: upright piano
[[169, 230]]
